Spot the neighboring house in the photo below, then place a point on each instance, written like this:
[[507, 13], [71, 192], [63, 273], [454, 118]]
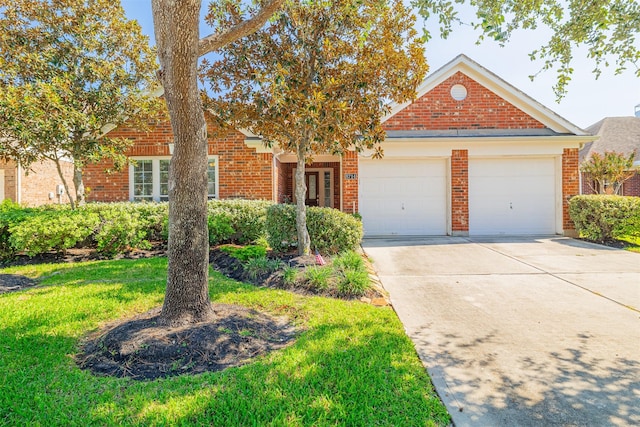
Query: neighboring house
[[472, 155], [38, 185], [619, 134]]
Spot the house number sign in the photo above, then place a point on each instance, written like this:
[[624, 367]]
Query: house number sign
[[350, 175]]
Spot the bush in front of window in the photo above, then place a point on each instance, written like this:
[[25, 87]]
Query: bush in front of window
[[605, 217], [330, 230]]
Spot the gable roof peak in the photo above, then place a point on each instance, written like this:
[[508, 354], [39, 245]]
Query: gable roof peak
[[472, 69]]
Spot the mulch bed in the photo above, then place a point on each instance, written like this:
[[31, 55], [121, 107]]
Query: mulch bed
[[140, 349], [15, 282], [233, 268], [83, 254]]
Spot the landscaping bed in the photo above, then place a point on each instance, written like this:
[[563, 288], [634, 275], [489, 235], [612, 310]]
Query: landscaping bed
[[301, 267]]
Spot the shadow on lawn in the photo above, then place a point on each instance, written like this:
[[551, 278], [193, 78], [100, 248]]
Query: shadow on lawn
[[352, 367]]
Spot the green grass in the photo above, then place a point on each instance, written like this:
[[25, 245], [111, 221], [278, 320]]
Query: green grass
[[353, 365], [631, 243]]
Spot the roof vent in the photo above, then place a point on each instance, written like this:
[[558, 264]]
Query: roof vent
[[458, 92]]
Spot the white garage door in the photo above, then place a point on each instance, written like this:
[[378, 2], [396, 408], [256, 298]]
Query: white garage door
[[512, 196], [403, 197]]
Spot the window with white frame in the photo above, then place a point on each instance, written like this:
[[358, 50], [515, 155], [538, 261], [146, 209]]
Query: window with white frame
[[149, 179]]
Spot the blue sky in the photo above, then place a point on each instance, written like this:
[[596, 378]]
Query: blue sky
[[588, 100]]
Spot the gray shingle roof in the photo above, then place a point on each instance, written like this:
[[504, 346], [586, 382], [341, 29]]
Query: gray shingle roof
[[619, 134]]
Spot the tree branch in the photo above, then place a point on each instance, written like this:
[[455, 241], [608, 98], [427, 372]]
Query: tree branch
[[216, 41]]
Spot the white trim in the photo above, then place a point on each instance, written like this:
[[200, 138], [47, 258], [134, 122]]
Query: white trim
[[258, 145], [320, 158], [494, 83], [155, 170]]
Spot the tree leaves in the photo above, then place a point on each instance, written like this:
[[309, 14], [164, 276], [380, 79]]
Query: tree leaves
[[609, 171], [607, 28], [319, 73], [68, 68]]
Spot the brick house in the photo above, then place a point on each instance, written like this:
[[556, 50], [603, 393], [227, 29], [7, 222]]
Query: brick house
[[619, 134], [38, 185], [471, 155]]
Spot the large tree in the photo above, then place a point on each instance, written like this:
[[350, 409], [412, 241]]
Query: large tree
[[179, 48], [317, 79], [68, 68], [176, 26], [607, 29]]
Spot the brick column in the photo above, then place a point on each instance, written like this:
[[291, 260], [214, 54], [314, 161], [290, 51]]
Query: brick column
[[349, 186], [460, 192], [570, 187]]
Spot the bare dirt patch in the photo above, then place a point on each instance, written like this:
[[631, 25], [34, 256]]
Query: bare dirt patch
[[14, 282], [140, 349]]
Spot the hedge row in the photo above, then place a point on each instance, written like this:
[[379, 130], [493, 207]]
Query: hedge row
[[605, 217], [113, 228]]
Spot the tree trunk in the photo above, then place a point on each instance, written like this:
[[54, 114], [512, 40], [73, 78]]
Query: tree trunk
[[64, 182], [187, 293], [304, 242], [78, 183]]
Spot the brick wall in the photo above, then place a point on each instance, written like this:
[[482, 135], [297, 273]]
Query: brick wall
[[242, 173], [460, 192], [630, 187], [482, 109], [349, 186], [42, 179], [9, 187], [36, 183], [570, 185]]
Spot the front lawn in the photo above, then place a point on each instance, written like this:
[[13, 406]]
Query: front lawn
[[352, 366]]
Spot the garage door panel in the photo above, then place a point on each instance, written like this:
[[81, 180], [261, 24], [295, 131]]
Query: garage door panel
[[403, 197], [512, 196]]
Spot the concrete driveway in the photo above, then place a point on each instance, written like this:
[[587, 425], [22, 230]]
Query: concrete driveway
[[521, 331]]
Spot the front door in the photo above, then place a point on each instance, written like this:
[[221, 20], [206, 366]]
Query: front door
[[311, 179]]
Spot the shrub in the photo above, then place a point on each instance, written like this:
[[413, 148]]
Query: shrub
[[318, 277], [119, 230], [603, 217], [11, 214], [255, 268], [246, 217], [56, 230], [281, 227], [289, 275], [353, 283], [245, 253], [220, 229], [349, 260], [330, 230], [629, 227]]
